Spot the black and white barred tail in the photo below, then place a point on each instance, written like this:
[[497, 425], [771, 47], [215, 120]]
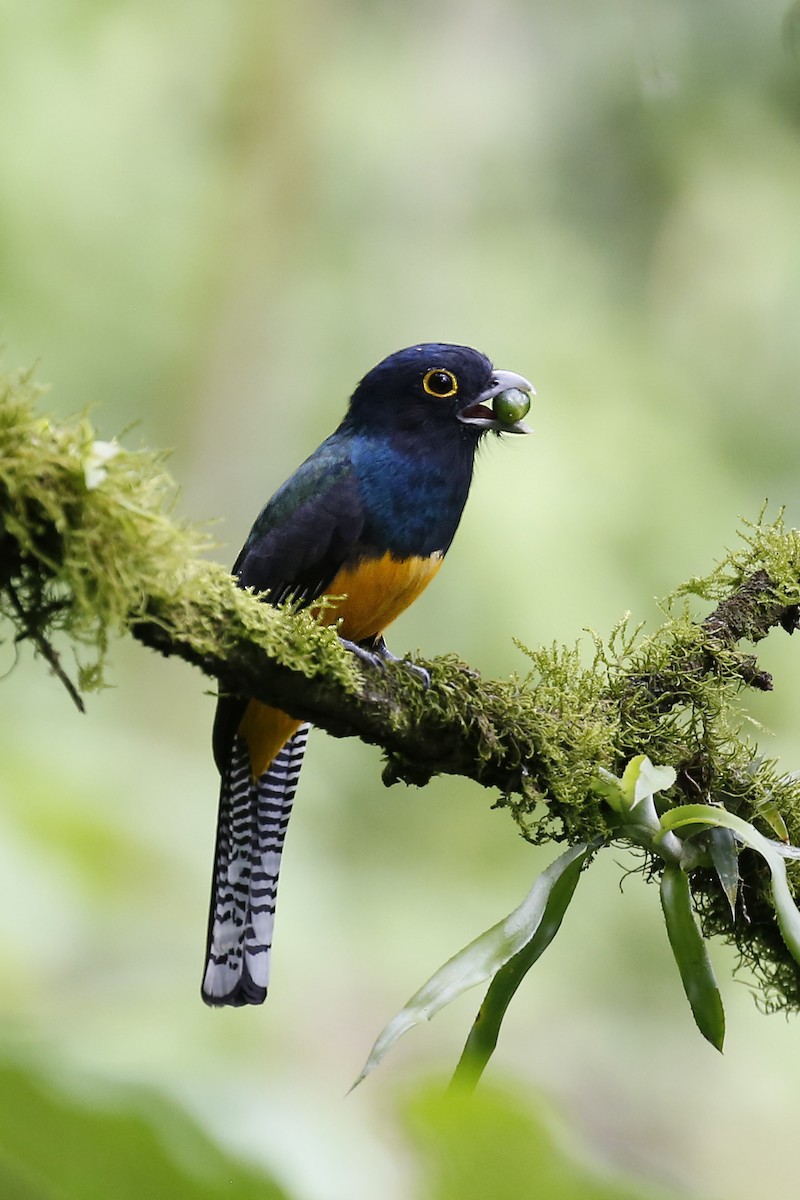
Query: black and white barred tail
[[253, 816]]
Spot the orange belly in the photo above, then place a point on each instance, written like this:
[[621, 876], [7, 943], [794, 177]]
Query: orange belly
[[373, 593]]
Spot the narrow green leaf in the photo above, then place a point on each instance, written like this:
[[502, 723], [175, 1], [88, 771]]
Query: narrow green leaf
[[722, 845], [477, 962], [630, 777], [689, 949], [640, 779], [785, 907], [784, 850], [772, 816], [486, 1028]]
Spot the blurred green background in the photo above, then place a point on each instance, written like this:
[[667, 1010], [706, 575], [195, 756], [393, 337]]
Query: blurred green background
[[214, 218]]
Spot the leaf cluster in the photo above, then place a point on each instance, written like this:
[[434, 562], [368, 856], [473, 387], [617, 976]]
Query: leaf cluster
[[681, 838]]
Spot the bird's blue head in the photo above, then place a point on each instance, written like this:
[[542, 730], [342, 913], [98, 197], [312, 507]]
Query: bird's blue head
[[431, 387]]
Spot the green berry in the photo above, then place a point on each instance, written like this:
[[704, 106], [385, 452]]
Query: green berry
[[511, 406]]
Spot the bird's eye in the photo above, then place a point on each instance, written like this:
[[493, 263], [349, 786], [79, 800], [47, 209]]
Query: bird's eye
[[440, 383]]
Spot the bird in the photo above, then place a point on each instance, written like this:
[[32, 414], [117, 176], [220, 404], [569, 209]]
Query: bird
[[368, 519]]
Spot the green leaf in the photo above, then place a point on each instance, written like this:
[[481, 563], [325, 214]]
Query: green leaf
[[689, 949], [486, 1028], [477, 962], [630, 778], [640, 779], [769, 812], [100, 1143], [651, 779], [506, 1144], [722, 846], [785, 907]]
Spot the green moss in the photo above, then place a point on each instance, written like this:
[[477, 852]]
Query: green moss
[[88, 547], [577, 730], [674, 695], [767, 546]]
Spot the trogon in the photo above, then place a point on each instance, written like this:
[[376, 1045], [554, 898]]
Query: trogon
[[368, 518]]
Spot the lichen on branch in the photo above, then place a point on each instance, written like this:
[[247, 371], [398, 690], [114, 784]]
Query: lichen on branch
[[89, 551]]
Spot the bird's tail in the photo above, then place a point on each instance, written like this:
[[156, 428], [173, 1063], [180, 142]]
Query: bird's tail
[[253, 816]]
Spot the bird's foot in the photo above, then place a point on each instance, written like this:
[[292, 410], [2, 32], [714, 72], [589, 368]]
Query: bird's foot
[[367, 656], [378, 654], [383, 652]]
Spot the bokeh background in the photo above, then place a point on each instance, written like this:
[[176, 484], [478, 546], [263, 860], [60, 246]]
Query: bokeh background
[[214, 218]]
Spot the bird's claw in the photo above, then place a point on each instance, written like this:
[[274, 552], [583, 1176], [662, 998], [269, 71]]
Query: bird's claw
[[379, 654], [424, 675], [370, 657]]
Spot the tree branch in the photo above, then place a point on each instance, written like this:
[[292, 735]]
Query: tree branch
[[88, 551]]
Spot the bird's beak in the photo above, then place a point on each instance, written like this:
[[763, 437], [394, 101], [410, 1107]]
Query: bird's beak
[[480, 414]]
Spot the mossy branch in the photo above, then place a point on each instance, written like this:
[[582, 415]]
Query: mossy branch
[[88, 551]]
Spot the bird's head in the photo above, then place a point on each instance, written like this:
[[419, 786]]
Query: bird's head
[[438, 384]]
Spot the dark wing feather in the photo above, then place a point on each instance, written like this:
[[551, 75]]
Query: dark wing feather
[[310, 527]]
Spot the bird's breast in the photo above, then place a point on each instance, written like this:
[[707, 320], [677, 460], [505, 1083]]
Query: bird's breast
[[376, 590]]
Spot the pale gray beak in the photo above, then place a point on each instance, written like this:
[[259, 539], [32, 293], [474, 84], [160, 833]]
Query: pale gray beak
[[480, 414]]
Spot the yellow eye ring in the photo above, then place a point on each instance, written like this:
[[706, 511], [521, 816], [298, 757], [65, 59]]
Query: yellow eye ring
[[440, 383]]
